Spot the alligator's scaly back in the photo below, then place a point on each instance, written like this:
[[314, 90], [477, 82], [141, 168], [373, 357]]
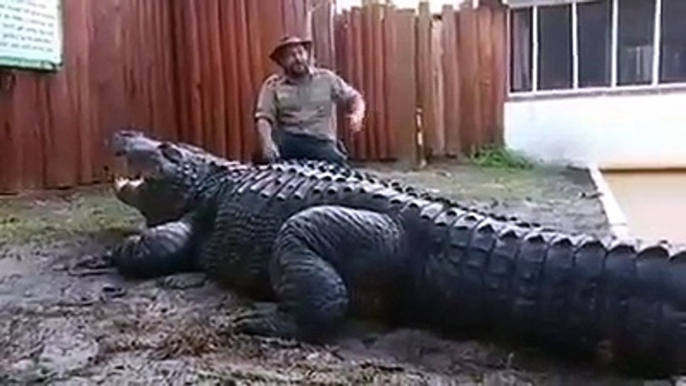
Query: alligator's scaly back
[[570, 292], [472, 270], [327, 242]]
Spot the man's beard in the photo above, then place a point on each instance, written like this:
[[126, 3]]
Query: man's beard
[[297, 69]]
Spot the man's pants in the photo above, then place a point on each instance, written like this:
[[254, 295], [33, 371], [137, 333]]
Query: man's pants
[[302, 146]]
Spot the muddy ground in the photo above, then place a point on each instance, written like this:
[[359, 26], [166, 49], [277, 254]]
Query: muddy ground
[[64, 328]]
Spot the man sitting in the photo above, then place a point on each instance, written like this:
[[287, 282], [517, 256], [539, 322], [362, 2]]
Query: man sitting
[[294, 111]]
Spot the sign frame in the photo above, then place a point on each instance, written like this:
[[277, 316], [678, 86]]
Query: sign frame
[[18, 63]]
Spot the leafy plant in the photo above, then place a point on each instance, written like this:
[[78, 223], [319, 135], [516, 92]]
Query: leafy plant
[[492, 156]]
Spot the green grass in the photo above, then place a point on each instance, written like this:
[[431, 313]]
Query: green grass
[[28, 219], [500, 157]]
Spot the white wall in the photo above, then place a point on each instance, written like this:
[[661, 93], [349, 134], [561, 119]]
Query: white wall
[[608, 131]]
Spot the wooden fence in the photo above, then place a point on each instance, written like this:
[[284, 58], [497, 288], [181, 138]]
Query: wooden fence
[[117, 71], [435, 84], [190, 70], [225, 47], [181, 69]]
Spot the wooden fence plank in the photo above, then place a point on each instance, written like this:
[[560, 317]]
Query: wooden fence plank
[[389, 52], [168, 87], [452, 83], [470, 96], [437, 143], [485, 76], [61, 161], [206, 79], [345, 64], [11, 146], [499, 68], [323, 16], [425, 94], [181, 69], [379, 110], [143, 41], [246, 82], [194, 55], [82, 75], [367, 53], [404, 91], [231, 80], [215, 82], [28, 130], [61, 126], [357, 52], [259, 55]]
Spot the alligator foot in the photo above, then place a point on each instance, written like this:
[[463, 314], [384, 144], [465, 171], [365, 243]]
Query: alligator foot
[[158, 251], [266, 320]]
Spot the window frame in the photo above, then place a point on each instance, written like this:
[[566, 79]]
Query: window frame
[[614, 88]]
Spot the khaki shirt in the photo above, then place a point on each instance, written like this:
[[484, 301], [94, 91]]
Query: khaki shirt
[[303, 106]]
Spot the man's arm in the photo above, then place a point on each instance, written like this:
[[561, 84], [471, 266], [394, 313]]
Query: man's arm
[[264, 129], [265, 116], [344, 92]]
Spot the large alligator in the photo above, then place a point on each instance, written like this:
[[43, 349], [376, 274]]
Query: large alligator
[[321, 243]]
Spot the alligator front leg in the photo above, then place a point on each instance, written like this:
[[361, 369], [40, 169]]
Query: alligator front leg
[[158, 251], [329, 262]]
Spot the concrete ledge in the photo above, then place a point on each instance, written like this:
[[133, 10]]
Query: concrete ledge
[[618, 224]]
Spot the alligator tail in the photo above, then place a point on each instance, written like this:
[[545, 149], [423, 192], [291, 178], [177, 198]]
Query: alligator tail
[[574, 294]]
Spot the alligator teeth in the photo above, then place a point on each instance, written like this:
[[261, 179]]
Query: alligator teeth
[[121, 182], [136, 182]]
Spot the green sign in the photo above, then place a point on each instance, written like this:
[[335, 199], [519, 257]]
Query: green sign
[[31, 34]]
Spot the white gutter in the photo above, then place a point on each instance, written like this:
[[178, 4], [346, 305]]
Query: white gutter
[[615, 217]]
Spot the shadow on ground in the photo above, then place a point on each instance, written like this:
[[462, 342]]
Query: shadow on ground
[[59, 327]]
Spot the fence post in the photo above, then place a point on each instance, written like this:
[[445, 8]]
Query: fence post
[[403, 93], [452, 82], [425, 92]]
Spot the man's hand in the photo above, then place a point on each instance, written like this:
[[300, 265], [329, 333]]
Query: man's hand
[[355, 121], [356, 112], [270, 151]]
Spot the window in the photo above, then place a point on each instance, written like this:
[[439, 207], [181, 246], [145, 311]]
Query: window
[[595, 43], [520, 47], [673, 42], [555, 42], [635, 39], [583, 44]]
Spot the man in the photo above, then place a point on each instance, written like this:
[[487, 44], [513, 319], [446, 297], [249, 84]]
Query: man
[[295, 109]]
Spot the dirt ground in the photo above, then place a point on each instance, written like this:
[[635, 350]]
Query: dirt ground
[[60, 327]]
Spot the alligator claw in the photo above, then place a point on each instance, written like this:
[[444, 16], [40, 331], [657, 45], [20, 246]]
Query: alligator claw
[[92, 265], [112, 292], [183, 281], [265, 320]]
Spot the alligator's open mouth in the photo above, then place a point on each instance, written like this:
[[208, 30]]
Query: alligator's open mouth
[[135, 175], [142, 157]]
